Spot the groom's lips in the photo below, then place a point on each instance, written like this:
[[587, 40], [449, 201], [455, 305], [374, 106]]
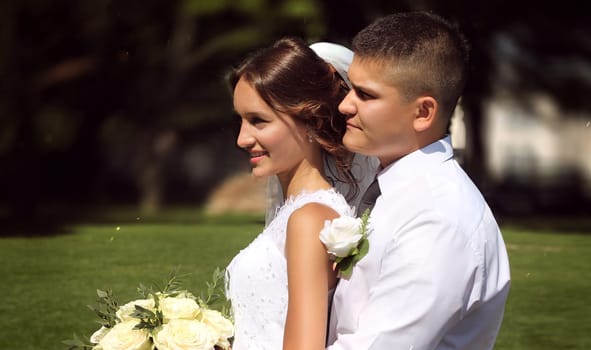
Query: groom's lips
[[351, 125]]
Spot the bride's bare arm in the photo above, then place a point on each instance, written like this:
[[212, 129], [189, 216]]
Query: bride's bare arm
[[310, 276]]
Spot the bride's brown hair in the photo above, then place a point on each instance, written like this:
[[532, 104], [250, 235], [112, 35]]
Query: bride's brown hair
[[292, 79]]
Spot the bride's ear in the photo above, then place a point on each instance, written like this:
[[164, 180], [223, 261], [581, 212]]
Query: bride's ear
[[425, 113]]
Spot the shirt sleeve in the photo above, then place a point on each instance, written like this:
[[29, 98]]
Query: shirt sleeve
[[426, 278]]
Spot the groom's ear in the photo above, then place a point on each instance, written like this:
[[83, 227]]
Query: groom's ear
[[425, 113]]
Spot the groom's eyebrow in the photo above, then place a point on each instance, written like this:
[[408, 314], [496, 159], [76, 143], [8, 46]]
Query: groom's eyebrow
[[361, 90], [361, 87]]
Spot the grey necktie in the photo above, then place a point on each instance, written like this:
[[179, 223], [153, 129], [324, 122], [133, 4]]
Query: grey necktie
[[368, 200]]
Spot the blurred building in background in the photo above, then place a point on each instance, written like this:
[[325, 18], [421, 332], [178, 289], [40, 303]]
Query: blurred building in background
[[538, 155]]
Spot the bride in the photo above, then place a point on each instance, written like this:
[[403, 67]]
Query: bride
[[287, 97]]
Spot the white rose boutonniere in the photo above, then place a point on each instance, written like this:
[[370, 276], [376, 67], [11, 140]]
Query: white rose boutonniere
[[345, 239]]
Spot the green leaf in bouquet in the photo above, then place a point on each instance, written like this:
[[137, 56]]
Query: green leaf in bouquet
[[172, 286], [144, 290], [106, 308], [174, 283], [76, 343], [148, 318], [215, 296]]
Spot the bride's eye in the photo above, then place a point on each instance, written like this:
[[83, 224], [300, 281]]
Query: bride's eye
[[256, 120]]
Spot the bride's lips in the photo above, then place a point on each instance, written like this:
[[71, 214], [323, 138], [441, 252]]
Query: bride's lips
[[256, 157]]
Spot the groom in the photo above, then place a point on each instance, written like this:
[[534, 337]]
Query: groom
[[437, 273]]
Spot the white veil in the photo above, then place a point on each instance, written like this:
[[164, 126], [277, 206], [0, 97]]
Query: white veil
[[363, 168]]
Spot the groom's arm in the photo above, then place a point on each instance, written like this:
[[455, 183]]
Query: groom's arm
[[426, 277]]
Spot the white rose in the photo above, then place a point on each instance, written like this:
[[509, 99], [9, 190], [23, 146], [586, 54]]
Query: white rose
[[185, 294], [125, 311], [96, 337], [341, 235], [123, 337], [222, 327], [175, 308], [185, 335]]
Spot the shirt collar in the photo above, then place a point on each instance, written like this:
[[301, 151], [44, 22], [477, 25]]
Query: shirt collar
[[415, 163]]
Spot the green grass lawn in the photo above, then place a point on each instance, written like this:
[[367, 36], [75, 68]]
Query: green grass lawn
[[49, 279], [549, 305]]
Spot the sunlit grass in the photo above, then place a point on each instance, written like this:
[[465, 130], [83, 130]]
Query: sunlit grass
[[49, 279], [549, 304]]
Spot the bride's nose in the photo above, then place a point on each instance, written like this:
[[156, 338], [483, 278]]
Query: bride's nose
[[245, 137]]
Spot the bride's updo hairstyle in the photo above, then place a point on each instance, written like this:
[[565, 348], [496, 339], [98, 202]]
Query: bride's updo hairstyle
[[292, 79]]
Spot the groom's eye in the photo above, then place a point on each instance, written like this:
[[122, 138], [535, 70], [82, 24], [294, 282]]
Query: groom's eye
[[363, 95]]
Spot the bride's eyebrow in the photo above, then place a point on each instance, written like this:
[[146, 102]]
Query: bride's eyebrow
[[255, 116]]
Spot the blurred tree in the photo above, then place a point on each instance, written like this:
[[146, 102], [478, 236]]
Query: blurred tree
[[74, 73], [107, 99]]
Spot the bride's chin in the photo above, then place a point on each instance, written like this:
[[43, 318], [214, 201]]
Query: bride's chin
[[260, 173]]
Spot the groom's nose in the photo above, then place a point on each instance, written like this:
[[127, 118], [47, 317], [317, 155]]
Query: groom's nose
[[347, 107]]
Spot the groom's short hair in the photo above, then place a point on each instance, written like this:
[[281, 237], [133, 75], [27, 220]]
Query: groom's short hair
[[420, 54]]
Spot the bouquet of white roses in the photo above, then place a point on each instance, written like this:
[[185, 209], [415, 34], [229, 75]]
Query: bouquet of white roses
[[170, 318]]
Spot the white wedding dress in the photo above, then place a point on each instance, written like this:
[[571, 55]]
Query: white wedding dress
[[257, 277]]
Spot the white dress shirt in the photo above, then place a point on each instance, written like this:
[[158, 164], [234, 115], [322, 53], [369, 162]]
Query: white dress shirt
[[437, 273]]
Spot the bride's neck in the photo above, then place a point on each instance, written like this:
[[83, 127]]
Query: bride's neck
[[304, 178]]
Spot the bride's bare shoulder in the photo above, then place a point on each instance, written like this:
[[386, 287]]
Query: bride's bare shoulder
[[310, 217]]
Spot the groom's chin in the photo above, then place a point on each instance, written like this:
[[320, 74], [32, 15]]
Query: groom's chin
[[351, 143]]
